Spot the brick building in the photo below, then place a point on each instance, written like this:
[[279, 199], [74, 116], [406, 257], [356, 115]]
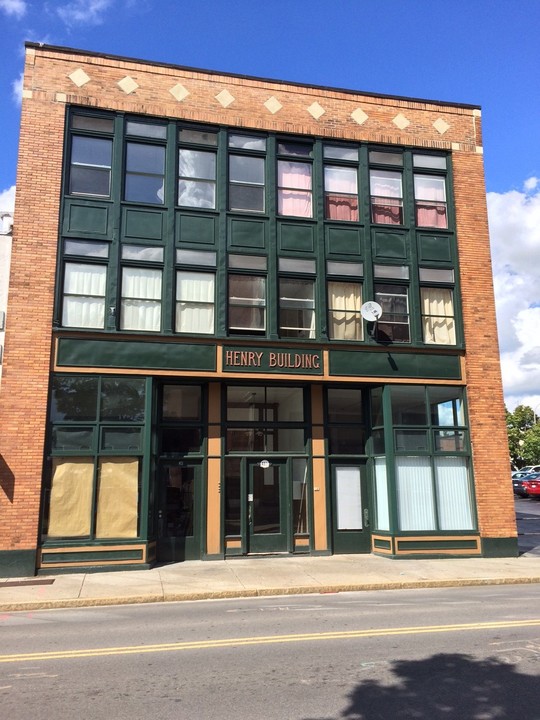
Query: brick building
[[245, 316]]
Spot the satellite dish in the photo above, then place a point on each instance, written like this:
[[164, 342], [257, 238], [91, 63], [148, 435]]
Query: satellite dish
[[371, 311]]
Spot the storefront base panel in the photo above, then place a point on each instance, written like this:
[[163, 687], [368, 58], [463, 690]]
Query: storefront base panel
[[17, 563], [500, 547], [97, 559], [426, 546]]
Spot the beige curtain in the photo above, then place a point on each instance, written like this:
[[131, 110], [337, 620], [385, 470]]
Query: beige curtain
[[438, 316], [71, 498], [344, 301], [117, 500]]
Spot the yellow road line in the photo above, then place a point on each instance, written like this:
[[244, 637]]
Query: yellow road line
[[263, 640]]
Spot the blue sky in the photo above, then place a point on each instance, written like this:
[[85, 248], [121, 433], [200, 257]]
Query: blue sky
[[482, 52]]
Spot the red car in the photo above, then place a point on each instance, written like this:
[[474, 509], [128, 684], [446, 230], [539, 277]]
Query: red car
[[531, 485]]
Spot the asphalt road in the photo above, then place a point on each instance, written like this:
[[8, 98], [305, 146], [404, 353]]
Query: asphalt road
[[457, 654]]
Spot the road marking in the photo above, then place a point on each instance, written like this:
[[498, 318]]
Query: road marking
[[263, 640]]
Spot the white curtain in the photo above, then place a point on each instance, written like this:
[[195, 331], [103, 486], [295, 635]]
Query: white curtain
[[84, 295], [416, 504], [438, 316], [344, 302], [454, 494], [294, 182], [381, 487], [141, 299], [195, 302], [348, 498]]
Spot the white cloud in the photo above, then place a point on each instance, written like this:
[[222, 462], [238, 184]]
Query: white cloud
[[7, 199], [17, 88], [83, 12], [13, 7], [514, 219]]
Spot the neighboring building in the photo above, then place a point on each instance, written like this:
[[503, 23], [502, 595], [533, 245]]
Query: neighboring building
[[6, 223], [195, 364]]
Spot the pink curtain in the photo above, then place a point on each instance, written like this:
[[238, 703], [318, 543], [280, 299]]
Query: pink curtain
[[294, 194], [387, 211], [430, 195], [341, 207], [431, 214]]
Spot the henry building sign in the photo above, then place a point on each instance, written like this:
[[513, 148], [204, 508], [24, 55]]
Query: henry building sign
[[268, 360]]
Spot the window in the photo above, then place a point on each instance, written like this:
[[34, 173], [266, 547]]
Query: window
[[437, 304], [393, 325], [430, 201], [84, 284], [141, 291], [247, 304], [181, 419], [145, 173], [432, 475], [97, 431], [340, 184], [344, 302], [386, 197], [294, 181], [197, 178], [346, 431], [90, 172], [195, 297], [247, 173], [297, 308]]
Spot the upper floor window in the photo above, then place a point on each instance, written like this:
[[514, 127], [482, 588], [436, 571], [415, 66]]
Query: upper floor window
[[386, 187], [145, 173], [247, 294], [90, 172], [197, 169], [344, 303], [430, 191], [85, 284], [340, 183], [195, 292], [393, 297], [141, 289], [294, 180], [247, 173], [437, 304]]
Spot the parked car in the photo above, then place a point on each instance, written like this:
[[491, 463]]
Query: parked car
[[530, 469], [518, 487], [531, 485]]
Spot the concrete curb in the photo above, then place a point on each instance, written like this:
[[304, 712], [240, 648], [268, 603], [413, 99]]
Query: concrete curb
[[259, 592]]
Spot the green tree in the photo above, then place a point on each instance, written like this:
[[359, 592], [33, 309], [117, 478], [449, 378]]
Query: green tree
[[523, 436]]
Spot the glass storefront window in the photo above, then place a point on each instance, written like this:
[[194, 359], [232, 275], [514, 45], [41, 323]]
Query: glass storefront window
[[409, 405], [122, 399], [345, 405], [233, 511], [181, 402], [265, 404], [74, 398]]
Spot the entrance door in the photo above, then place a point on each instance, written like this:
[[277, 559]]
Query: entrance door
[[350, 517], [267, 508], [179, 512]]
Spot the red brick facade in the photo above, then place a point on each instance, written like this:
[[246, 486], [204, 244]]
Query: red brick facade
[[50, 83]]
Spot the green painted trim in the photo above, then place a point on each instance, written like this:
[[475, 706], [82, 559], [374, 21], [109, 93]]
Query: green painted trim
[[391, 364], [17, 563], [65, 556], [215, 556], [442, 544], [382, 544], [500, 547], [93, 569], [139, 355]]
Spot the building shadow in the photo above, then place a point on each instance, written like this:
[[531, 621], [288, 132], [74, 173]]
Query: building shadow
[[7, 479], [446, 687]]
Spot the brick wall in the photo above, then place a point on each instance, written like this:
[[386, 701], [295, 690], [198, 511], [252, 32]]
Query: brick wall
[[317, 111]]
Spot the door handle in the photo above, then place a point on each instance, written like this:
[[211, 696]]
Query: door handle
[[250, 514], [366, 517]]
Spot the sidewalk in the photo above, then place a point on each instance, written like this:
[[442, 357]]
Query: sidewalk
[[260, 576]]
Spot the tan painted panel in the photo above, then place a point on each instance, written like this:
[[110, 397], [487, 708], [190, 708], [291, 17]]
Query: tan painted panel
[[213, 517], [319, 504], [317, 412]]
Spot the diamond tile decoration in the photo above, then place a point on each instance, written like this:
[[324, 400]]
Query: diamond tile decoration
[[79, 77], [401, 121], [273, 105], [359, 116], [179, 92], [127, 85], [441, 126], [316, 110], [225, 98]]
